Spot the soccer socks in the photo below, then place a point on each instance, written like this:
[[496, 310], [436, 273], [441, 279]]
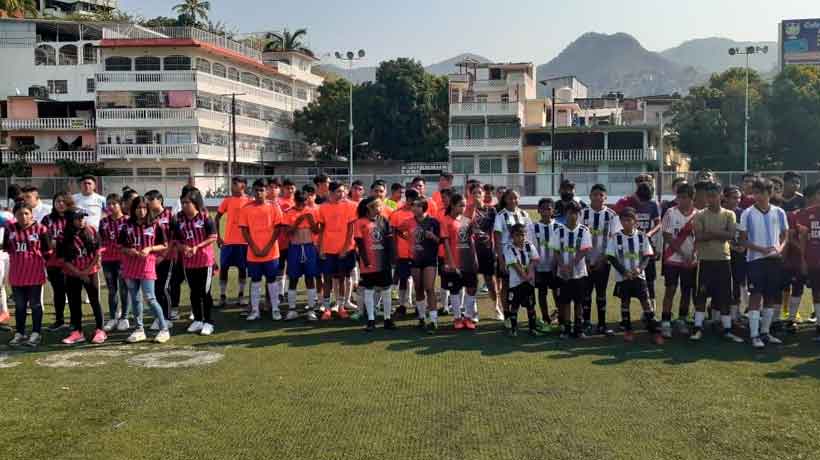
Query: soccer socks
[[766, 320], [726, 322], [512, 315], [626, 321], [455, 304], [292, 299], [274, 295], [223, 288], [794, 306], [445, 298], [311, 299], [387, 303], [434, 316], [369, 304], [531, 318], [256, 296], [241, 287], [404, 299], [421, 308], [754, 323], [600, 302], [469, 307], [700, 316]]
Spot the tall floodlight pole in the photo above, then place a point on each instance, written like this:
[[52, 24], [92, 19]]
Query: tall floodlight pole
[[747, 51], [350, 57], [552, 139]]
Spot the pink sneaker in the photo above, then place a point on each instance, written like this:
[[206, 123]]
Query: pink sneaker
[[469, 324], [74, 337], [99, 337], [458, 324], [4, 317]]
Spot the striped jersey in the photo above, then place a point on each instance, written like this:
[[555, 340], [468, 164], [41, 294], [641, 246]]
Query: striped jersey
[[82, 252], [483, 224], [519, 255], [55, 224], [27, 248], [458, 235], [567, 243], [136, 236], [505, 220], [542, 235], [808, 220], [602, 225], [191, 232], [628, 250], [165, 220], [109, 235], [763, 228], [376, 238]]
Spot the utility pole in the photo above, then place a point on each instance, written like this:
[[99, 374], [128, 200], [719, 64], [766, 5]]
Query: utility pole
[[552, 140], [232, 128], [349, 58], [661, 156]]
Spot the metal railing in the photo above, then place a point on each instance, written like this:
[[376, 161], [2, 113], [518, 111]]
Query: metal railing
[[505, 142], [598, 155], [50, 156], [48, 123], [486, 108], [145, 76], [135, 32], [146, 114], [146, 151]]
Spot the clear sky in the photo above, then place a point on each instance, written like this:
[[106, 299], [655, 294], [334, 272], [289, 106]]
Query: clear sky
[[502, 30]]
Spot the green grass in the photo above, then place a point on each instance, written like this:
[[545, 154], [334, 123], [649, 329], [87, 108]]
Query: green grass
[[330, 391]]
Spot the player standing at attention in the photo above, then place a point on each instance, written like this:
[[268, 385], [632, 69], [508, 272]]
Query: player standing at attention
[[680, 263], [443, 293], [545, 279], [792, 202], [303, 260], [571, 243], [509, 214], [259, 222], [423, 232], [630, 252], [809, 221], [521, 257], [460, 263], [483, 220], [110, 226], [55, 223], [763, 231], [162, 216], [285, 202], [232, 248], [335, 236], [602, 223], [27, 244], [419, 184], [403, 252], [649, 222], [373, 238]]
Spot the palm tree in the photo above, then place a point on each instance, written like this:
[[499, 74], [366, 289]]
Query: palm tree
[[287, 41], [193, 12], [22, 6]]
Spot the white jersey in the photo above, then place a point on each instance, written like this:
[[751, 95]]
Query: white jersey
[[763, 228], [93, 204], [41, 211], [680, 225], [505, 220], [628, 250], [542, 235], [602, 225], [568, 243], [523, 256]]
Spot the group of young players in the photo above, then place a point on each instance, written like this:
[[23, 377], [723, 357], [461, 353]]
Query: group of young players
[[353, 248]]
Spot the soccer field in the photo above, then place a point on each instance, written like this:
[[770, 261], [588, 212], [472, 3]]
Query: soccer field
[[331, 391]]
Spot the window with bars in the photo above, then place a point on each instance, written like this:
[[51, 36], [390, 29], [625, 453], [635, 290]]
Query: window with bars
[[203, 65], [503, 131], [89, 54], [118, 64], [177, 63], [122, 172], [301, 93], [178, 138], [250, 79], [462, 165], [90, 85], [178, 172], [512, 166], [146, 63], [489, 166], [57, 86], [149, 172], [233, 74], [45, 55], [218, 70], [68, 55]]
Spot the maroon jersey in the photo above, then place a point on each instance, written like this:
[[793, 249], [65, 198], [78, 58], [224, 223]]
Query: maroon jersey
[[809, 221], [56, 226], [83, 251], [27, 249], [165, 220], [109, 235], [138, 237], [191, 232]]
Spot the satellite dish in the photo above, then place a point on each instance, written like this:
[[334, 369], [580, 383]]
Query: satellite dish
[[350, 55], [361, 54], [338, 55]]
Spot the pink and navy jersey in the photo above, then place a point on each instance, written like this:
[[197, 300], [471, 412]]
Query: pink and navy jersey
[[191, 232], [84, 250], [165, 220], [56, 226], [138, 237], [109, 235], [27, 249]]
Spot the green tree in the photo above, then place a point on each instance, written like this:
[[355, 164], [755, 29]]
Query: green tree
[[287, 41], [160, 21], [324, 121], [27, 7], [71, 168], [193, 12], [795, 112]]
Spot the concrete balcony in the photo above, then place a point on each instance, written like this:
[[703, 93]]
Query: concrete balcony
[[296, 73], [638, 155], [146, 118], [53, 124], [480, 145], [217, 85], [244, 125], [122, 34], [146, 81], [51, 156], [147, 151], [490, 85], [498, 109], [220, 153]]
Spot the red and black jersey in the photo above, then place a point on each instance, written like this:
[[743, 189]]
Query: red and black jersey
[[83, 251], [136, 236], [109, 235], [27, 249], [55, 224], [191, 232]]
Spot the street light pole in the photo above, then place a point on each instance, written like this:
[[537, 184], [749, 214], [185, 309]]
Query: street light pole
[[232, 127], [349, 58], [747, 51]]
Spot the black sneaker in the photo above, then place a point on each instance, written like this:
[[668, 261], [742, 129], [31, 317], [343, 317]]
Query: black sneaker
[[512, 332], [421, 324], [371, 326], [603, 329], [535, 333], [442, 312], [431, 327], [389, 325], [587, 330], [790, 328], [57, 326], [401, 311]]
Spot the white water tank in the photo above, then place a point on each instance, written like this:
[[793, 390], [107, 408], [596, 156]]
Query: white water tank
[[564, 95]]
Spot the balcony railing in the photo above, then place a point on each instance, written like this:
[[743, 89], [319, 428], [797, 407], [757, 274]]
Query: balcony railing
[[145, 77], [147, 151], [599, 155], [486, 108], [489, 84], [47, 123], [51, 156], [135, 32], [484, 143], [146, 114]]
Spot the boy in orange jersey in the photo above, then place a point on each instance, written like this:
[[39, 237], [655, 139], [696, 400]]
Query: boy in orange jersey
[[233, 249], [336, 218]]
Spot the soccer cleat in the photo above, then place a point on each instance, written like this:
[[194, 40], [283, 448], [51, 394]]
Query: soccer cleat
[[34, 340], [99, 337], [683, 328], [499, 315], [371, 326], [276, 315], [191, 317], [401, 311], [163, 336], [4, 317], [389, 325], [196, 326], [512, 332], [666, 331], [136, 336], [253, 316], [421, 324], [123, 325], [470, 324], [458, 324], [327, 315], [74, 337], [342, 314], [757, 342], [696, 336], [207, 329], [431, 327], [110, 325], [767, 338], [813, 318], [657, 338], [18, 339], [292, 314], [731, 337], [155, 325], [311, 316], [629, 336], [57, 326], [604, 330], [507, 324]]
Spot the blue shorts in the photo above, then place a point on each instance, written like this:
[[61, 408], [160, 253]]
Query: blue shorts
[[303, 260], [283, 261], [233, 255], [332, 264], [256, 270]]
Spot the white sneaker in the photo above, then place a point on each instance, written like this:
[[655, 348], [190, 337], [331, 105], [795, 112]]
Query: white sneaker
[[253, 316], [163, 336], [732, 338], [196, 326], [155, 325], [123, 325], [291, 315], [499, 315], [351, 306], [276, 315], [207, 329], [666, 331], [697, 335], [136, 336], [17, 340], [33, 340], [772, 339], [311, 316], [758, 343], [191, 317], [110, 325]]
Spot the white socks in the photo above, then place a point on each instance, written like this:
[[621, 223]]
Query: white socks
[[4, 305], [445, 297], [274, 295], [794, 306], [434, 316], [455, 304], [715, 315], [726, 322], [387, 303], [223, 288], [766, 320], [256, 296], [469, 307], [699, 317], [292, 299], [369, 303], [754, 323], [311, 299], [817, 310], [421, 308]]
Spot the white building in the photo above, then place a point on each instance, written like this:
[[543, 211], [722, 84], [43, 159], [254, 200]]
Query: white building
[[61, 8]]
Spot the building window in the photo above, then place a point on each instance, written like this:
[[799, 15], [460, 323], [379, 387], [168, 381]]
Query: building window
[[89, 85], [89, 54], [118, 64], [233, 74], [178, 138], [58, 86], [463, 166], [203, 65], [45, 55], [147, 63], [267, 83], [218, 70], [178, 172], [250, 79], [212, 168], [512, 166], [301, 93], [177, 63], [68, 55], [122, 172], [489, 166], [149, 172]]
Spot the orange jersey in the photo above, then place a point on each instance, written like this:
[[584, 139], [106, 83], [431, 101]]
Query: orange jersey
[[300, 231], [261, 221], [231, 208], [441, 217], [284, 205], [335, 218], [457, 235], [375, 237], [403, 245]]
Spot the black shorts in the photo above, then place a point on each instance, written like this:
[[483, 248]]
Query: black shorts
[[403, 268], [599, 280], [766, 278], [813, 280], [715, 282], [739, 268], [425, 263], [521, 296], [796, 280], [632, 289], [546, 280], [687, 277], [572, 291], [454, 282], [486, 263], [380, 279]]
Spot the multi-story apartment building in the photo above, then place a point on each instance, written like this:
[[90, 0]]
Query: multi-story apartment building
[[61, 8], [160, 99]]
